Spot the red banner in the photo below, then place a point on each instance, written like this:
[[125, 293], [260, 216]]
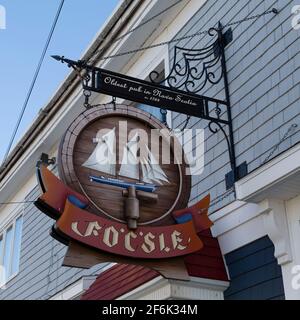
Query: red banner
[[114, 237], [103, 234]]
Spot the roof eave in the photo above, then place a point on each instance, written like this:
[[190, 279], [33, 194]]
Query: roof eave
[[108, 32]]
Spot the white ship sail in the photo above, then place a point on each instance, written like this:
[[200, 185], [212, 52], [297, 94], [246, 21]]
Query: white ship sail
[[130, 164], [151, 170], [103, 158]]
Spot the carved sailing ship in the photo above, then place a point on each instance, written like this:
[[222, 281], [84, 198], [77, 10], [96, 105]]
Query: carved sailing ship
[[146, 171]]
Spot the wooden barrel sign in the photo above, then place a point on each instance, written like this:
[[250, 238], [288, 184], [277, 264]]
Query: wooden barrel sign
[[100, 157]]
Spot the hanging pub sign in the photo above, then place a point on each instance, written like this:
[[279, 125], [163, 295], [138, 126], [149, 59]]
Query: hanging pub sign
[[181, 91], [122, 193]]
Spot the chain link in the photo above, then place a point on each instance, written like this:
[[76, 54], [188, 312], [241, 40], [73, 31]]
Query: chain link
[[96, 55], [218, 199], [286, 135], [222, 197], [274, 11], [153, 46], [87, 94]]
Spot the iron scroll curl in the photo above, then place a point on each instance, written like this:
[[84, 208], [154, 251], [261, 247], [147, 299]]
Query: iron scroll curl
[[193, 69]]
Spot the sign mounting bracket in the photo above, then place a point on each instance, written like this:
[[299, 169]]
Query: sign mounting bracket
[[193, 72]]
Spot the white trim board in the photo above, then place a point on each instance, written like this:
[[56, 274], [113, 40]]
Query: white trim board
[[164, 289], [272, 179], [237, 224]]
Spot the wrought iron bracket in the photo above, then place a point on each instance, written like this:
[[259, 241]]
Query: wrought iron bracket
[[193, 72]]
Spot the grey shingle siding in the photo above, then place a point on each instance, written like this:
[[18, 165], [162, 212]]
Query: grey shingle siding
[[41, 273], [263, 72], [263, 64]]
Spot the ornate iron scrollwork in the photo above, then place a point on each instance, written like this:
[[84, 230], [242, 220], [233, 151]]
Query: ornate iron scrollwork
[[193, 70]]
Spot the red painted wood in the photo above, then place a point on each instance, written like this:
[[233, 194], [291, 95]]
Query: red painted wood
[[118, 280], [83, 219], [207, 263]]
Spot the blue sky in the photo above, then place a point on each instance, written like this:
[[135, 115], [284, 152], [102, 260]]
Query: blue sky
[[27, 26]]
